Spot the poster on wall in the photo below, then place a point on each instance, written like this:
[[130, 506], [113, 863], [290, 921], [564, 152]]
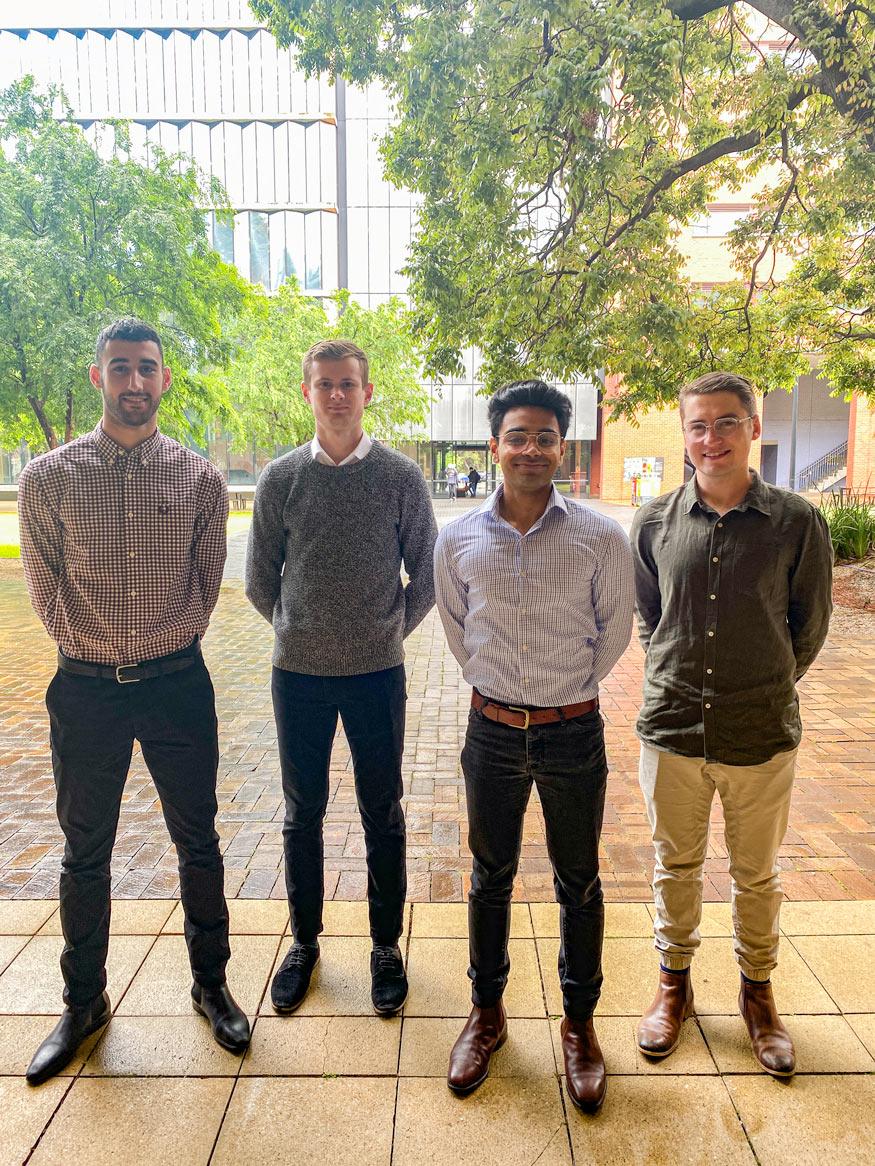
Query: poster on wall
[[644, 474]]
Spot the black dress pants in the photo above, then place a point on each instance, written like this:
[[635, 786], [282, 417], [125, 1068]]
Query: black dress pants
[[566, 761], [372, 707], [94, 723]]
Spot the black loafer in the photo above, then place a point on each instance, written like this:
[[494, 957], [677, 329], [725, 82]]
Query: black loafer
[[58, 1049], [227, 1019], [290, 984], [388, 979]]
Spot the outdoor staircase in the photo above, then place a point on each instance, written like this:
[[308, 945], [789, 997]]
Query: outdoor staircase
[[825, 472]]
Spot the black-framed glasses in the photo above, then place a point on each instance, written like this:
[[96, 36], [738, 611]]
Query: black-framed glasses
[[544, 439], [723, 426]]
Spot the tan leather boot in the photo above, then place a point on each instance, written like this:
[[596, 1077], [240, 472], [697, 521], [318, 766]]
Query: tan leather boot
[[485, 1031], [585, 1076], [659, 1029], [771, 1042]]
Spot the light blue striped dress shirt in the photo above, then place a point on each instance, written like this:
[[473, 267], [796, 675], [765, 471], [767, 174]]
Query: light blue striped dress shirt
[[536, 618]]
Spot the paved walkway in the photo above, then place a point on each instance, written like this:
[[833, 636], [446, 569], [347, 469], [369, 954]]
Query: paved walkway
[[829, 852], [336, 1086]]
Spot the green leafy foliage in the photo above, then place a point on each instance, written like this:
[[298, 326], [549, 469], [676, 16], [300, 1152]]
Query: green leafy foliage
[[560, 147], [87, 234], [271, 337], [851, 522]]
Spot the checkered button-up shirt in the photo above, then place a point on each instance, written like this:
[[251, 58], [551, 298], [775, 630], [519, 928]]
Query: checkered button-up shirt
[[123, 549]]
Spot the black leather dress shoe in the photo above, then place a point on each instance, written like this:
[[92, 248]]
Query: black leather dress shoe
[[227, 1020], [58, 1049], [290, 984]]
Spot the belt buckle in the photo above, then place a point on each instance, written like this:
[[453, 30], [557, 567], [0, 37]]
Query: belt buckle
[[131, 680], [514, 708]]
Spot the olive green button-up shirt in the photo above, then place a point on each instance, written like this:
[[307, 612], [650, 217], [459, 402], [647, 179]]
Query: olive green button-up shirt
[[732, 610]]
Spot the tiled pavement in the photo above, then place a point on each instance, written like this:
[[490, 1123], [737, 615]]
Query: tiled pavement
[[829, 851], [335, 1085]]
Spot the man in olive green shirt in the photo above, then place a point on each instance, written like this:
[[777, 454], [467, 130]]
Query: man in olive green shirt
[[733, 582]]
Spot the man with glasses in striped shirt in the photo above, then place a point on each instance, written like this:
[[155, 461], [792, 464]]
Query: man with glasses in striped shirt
[[535, 593], [123, 544]]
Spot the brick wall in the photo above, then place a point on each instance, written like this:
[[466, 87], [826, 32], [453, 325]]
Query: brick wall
[[861, 445]]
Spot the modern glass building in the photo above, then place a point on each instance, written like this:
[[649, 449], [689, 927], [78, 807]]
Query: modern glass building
[[298, 159]]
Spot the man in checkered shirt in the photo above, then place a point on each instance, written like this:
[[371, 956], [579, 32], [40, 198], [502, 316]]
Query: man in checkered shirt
[[123, 543]]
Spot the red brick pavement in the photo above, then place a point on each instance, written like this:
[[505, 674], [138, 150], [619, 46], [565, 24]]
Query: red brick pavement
[[829, 852]]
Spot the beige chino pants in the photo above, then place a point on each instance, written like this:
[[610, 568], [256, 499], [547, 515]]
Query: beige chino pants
[[678, 792]]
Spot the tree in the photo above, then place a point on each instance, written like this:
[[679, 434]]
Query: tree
[[561, 145], [85, 238], [271, 338]]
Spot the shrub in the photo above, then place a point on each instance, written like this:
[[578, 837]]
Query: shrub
[[851, 521]]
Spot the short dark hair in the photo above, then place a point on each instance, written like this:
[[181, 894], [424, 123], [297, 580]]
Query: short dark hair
[[129, 328], [720, 382], [335, 350], [538, 394]]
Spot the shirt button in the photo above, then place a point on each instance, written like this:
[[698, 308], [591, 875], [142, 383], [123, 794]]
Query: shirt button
[[709, 671], [719, 525], [133, 595], [132, 554], [526, 679], [712, 597], [525, 647], [707, 706], [130, 514], [710, 633], [715, 559]]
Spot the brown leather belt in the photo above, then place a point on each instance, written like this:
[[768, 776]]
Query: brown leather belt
[[518, 717]]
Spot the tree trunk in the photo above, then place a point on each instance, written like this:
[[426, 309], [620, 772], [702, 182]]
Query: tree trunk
[[68, 418], [45, 424]]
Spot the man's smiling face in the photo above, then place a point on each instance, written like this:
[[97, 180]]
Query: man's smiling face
[[718, 455]]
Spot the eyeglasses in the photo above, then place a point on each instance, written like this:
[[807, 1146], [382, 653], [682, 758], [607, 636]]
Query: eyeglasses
[[723, 427], [545, 439]]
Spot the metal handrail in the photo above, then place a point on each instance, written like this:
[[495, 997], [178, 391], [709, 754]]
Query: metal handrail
[[826, 465]]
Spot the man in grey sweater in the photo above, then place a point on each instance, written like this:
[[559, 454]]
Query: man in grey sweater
[[333, 522]]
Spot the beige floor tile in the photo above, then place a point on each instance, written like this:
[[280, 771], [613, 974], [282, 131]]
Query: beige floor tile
[[824, 1044], [32, 983], [716, 980], [341, 983], [809, 1121], [617, 1038], [426, 1045], [509, 1121], [246, 916], [24, 916], [313, 1046], [439, 985], [621, 919], [844, 965], [864, 1027], [129, 917], [25, 1113], [851, 918], [10, 946], [162, 987], [160, 1046], [629, 969], [20, 1036], [344, 918], [139, 1121], [450, 921], [342, 1122], [662, 1121]]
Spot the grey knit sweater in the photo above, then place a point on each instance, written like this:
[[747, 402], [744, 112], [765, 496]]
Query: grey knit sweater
[[324, 560]]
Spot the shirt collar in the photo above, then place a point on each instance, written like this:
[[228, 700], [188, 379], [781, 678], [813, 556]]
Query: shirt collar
[[557, 502], [358, 454], [756, 498], [111, 451]]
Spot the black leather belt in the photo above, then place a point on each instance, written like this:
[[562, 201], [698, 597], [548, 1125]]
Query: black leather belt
[[519, 717], [133, 673]]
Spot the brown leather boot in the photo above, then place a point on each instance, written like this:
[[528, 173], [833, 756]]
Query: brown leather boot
[[771, 1042], [585, 1076], [485, 1031], [659, 1029]]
